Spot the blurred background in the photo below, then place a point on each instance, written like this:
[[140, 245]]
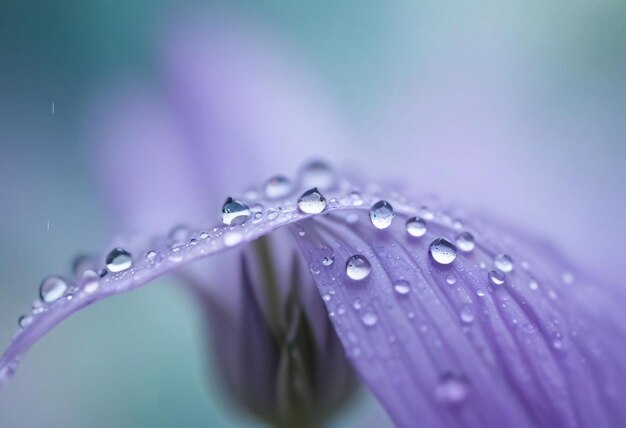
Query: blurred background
[[516, 110]]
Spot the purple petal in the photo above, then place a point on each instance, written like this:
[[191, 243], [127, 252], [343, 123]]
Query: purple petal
[[439, 345]]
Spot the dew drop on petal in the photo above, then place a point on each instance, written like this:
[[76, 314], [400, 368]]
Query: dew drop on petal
[[451, 389], [24, 321], [369, 318], [442, 251], [357, 199], [416, 227], [328, 260], [234, 212], [52, 288], [465, 242], [358, 267], [503, 262], [467, 314], [318, 174], [496, 277], [381, 214], [567, 278], [312, 202], [118, 260], [90, 281], [232, 238], [151, 256], [83, 263], [277, 187], [426, 213], [402, 286], [451, 279], [533, 284]]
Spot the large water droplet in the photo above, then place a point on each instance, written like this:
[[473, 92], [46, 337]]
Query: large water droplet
[[312, 202], [451, 389], [317, 174], [402, 286], [52, 288], [465, 241], [496, 277], [277, 187], [504, 262], [442, 251], [234, 212], [358, 267], [416, 227], [381, 214], [118, 260]]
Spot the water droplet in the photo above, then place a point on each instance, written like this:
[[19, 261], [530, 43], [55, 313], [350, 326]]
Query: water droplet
[[567, 278], [341, 309], [90, 281], [416, 227], [480, 293], [358, 267], [52, 288], [204, 235], [328, 260], [451, 279], [496, 277], [234, 212], [369, 319], [314, 268], [465, 242], [357, 199], [151, 256], [467, 314], [312, 202], [451, 389], [277, 187], [533, 284], [402, 286], [504, 262], [24, 321], [272, 214], [327, 297], [317, 174], [442, 251], [426, 213], [232, 238], [381, 214], [118, 260], [179, 233], [83, 263]]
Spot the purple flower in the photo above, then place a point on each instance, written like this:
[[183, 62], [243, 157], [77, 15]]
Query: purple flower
[[454, 321]]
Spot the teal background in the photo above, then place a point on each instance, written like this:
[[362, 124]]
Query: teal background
[[138, 360]]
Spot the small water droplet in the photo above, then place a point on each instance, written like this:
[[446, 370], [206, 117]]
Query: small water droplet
[[451, 389], [277, 187], [416, 227], [234, 212], [369, 318], [451, 279], [232, 237], [52, 288], [90, 281], [426, 213], [314, 268], [24, 321], [328, 260], [503, 262], [151, 256], [357, 305], [480, 293], [533, 284], [402, 286], [357, 199], [118, 260], [204, 235], [567, 278], [272, 214], [443, 251], [317, 174], [358, 267], [465, 241], [327, 297], [467, 314], [83, 263], [496, 277], [381, 214], [312, 202]]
